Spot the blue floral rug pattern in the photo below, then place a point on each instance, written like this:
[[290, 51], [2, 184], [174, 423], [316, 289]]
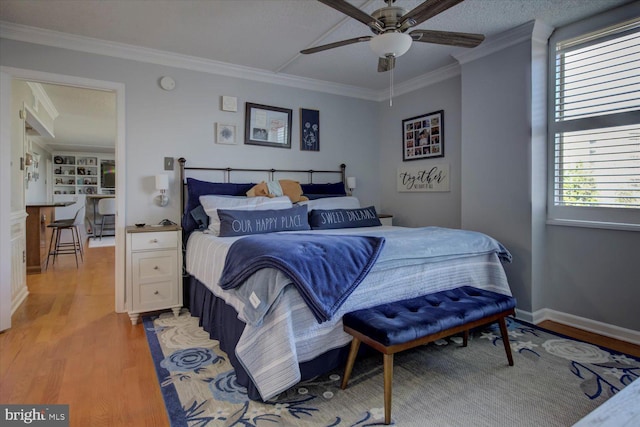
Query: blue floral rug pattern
[[555, 381]]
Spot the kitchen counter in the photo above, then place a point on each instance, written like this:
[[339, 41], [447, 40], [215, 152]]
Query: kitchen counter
[[38, 234], [49, 205]]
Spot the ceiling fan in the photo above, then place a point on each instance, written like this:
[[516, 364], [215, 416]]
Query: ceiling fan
[[390, 25]]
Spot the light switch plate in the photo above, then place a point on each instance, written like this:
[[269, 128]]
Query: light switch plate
[[168, 163]]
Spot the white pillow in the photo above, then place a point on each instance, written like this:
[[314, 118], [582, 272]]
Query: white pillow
[[346, 202], [212, 203]]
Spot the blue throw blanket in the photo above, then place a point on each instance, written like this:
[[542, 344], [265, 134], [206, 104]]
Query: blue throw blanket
[[324, 269]]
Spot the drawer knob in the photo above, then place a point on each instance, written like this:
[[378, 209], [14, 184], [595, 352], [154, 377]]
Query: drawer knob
[[156, 293], [154, 241], [155, 268]]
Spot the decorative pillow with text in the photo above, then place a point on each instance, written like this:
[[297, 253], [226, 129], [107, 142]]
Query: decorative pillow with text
[[324, 219], [212, 204], [244, 222]]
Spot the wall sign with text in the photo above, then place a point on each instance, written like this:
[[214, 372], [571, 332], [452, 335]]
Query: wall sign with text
[[428, 178]]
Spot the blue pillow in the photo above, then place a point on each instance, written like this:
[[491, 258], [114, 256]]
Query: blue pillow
[[197, 188], [325, 219], [312, 196], [242, 222], [335, 189]]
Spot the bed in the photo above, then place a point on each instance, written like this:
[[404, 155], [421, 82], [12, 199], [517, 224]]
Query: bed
[[276, 329]]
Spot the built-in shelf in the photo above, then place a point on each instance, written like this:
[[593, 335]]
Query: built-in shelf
[[76, 174]]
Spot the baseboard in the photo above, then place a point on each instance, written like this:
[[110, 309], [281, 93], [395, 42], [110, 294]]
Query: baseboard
[[600, 328], [19, 298]]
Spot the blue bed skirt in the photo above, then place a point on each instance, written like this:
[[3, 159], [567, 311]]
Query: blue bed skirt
[[221, 322]]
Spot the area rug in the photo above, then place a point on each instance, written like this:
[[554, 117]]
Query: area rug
[[555, 382], [96, 242]]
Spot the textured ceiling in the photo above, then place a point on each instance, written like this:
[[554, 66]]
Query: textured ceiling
[[267, 35]]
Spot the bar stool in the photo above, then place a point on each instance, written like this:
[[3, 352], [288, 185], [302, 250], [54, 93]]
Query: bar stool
[[57, 247], [107, 209]]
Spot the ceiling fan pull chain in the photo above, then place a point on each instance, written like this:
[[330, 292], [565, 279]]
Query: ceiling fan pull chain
[[391, 88]]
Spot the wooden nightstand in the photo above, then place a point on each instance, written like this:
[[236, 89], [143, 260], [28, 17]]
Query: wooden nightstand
[[154, 269], [386, 219]]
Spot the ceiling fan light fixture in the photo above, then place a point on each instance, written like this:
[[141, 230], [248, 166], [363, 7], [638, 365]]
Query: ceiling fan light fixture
[[391, 43]]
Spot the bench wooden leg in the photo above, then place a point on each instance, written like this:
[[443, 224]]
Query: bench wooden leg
[[505, 340], [465, 337], [388, 383], [351, 359]]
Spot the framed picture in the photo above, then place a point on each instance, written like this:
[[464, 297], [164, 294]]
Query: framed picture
[[269, 126], [225, 134], [423, 136], [309, 130], [229, 103]]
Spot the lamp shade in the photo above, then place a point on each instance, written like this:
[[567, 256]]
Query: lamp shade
[[351, 182], [162, 182], [395, 44]]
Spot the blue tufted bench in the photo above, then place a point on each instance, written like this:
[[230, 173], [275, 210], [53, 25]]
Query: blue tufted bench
[[401, 325]]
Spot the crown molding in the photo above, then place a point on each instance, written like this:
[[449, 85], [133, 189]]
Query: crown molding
[[103, 149], [541, 32], [32, 118], [62, 40], [533, 30], [43, 99]]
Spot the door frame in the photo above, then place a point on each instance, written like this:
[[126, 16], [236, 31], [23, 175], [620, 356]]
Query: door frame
[[5, 201]]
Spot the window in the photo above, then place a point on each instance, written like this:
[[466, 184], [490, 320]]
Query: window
[[594, 127]]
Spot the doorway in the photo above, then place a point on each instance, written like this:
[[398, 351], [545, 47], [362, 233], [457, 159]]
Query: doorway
[[6, 186]]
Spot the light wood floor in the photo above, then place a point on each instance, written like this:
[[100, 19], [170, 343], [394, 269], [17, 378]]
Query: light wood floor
[[68, 346]]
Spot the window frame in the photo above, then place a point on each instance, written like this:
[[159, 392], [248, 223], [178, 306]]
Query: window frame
[[585, 216]]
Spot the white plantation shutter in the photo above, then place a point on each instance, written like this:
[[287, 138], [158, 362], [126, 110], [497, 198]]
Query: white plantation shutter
[[597, 77], [595, 126]]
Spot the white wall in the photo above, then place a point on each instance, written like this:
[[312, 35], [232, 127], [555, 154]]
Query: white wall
[[180, 123], [421, 209], [495, 154], [593, 273], [36, 191]]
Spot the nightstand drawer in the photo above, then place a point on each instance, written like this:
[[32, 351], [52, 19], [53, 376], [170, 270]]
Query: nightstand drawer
[[156, 295], [155, 265], [153, 240]]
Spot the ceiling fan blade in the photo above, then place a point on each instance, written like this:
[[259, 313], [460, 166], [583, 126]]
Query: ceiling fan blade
[[447, 37], [336, 44], [386, 64], [424, 11], [355, 13]]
